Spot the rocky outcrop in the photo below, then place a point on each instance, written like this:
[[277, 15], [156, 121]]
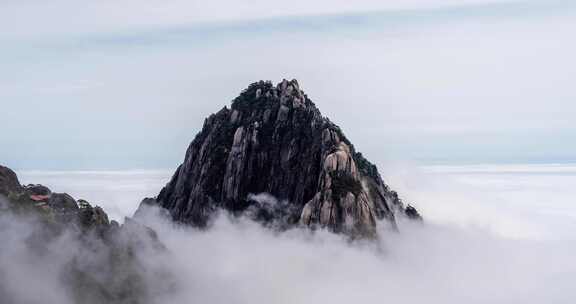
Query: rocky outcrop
[[274, 140], [8, 181], [102, 265], [412, 213]]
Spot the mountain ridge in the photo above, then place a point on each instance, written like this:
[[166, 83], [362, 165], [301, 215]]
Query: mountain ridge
[[101, 262]]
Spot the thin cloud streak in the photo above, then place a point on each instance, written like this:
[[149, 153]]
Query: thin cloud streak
[[65, 16]]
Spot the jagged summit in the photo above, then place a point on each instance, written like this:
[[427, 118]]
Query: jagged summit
[[260, 93], [274, 140]]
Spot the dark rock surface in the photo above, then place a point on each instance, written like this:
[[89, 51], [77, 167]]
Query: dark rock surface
[[274, 140], [8, 181], [412, 213]]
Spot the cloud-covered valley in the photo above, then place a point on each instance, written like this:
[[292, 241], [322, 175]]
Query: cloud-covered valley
[[442, 260]]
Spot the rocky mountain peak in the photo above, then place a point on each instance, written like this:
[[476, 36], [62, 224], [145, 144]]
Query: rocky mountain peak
[[274, 140]]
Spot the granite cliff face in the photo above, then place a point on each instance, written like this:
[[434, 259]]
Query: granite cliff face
[[274, 140]]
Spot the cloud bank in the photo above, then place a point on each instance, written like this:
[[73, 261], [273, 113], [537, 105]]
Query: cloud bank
[[65, 16], [239, 261]]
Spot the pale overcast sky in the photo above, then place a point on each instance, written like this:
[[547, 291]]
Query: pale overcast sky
[[127, 84]]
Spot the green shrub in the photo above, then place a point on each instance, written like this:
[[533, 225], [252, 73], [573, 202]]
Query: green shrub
[[342, 182]]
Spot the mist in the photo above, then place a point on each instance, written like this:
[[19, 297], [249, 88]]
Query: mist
[[239, 262], [451, 257]]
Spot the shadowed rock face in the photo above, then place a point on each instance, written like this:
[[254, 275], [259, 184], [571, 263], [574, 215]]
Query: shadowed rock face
[[8, 181], [274, 140]]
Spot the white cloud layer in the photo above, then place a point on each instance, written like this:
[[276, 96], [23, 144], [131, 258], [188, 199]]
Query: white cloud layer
[[241, 263], [461, 254], [238, 261], [68, 16]]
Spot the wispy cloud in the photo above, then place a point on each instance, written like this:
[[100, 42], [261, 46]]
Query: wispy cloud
[[31, 17], [484, 80]]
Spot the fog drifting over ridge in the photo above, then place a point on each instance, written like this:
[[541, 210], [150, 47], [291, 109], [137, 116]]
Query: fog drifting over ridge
[[460, 254], [529, 201]]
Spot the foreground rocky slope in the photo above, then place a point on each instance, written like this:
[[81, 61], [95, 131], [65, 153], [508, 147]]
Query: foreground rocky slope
[[99, 258], [274, 140]]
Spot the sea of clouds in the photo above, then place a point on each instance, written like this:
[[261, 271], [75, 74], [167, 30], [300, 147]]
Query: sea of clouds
[[492, 234]]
